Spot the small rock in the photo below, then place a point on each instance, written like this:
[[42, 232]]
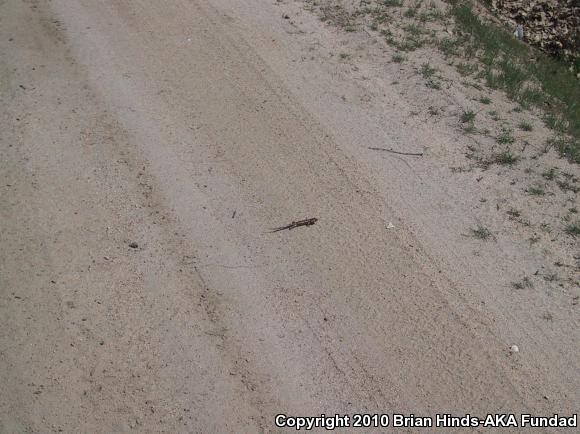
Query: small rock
[[106, 258], [514, 349], [134, 245], [390, 226]]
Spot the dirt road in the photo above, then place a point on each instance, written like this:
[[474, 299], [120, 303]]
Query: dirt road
[[190, 128]]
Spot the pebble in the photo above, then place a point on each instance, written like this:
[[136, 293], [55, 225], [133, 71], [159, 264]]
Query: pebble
[[134, 245], [514, 349]]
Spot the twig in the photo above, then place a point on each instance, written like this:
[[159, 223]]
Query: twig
[[416, 154]]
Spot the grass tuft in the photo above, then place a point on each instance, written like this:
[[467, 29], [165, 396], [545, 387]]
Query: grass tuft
[[481, 233]]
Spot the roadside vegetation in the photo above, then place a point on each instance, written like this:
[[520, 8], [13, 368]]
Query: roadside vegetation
[[517, 108]]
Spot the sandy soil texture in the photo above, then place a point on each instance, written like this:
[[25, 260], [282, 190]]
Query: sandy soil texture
[[146, 150]]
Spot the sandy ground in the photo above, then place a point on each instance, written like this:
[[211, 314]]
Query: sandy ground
[[191, 128]]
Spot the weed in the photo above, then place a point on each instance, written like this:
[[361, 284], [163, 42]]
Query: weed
[[409, 43], [526, 283], [573, 229], [466, 68], [485, 100], [450, 47], [514, 213], [469, 128], [573, 210], [548, 316], [427, 71], [555, 123], [392, 3], [552, 277], [506, 158], [566, 185], [413, 29], [505, 137], [433, 84], [481, 233], [433, 111], [467, 117], [344, 55], [550, 174], [399, 58], [536, 191], [525, 126], [567, 147]]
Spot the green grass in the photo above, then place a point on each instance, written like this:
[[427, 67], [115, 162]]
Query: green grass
[[545, 83], [485, 100], [467, 117], [525, 126], [506, 158], [536, 191], [505, 137]]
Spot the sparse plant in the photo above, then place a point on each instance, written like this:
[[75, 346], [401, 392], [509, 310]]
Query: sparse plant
[[481, 233], [392, 3], [573, 229], [506, 158], [450, 47], [514, 213], [505, 137], [556, 123], [466, 68], [413, 29], [433, 84], [427, 70], [485, 100], [399, 58], [525, 283], [552, 277], [433, 111], [566, 185], [536, 191], [525, 126], [550, 174], [467, 117]]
